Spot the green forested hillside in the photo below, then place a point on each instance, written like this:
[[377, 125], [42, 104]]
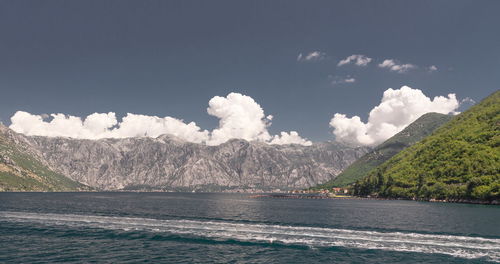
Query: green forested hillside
[[461, 160], [21, 170], [413, 133]]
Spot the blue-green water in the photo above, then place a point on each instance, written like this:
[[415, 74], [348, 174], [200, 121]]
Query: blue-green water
[[235, 228]]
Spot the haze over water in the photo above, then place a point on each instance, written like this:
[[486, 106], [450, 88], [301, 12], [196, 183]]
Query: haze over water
[[221, 228]]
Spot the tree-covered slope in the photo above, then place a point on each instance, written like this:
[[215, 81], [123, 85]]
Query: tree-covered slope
[[22, 170], [461, 160], [413, 133]]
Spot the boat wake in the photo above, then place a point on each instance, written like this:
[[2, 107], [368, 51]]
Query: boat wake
[[453, 245]]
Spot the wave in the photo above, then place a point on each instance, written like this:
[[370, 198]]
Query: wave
[[454, 245]]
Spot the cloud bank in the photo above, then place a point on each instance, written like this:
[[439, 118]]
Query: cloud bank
[[239, 117], [102, 125], [397, 110], [357, 59]]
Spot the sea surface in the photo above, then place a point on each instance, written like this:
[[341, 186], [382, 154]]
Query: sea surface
[[236, 228]]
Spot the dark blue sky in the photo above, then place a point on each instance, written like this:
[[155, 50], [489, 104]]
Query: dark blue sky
[[168, 58]]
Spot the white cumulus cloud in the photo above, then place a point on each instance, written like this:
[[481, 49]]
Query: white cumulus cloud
[[397, 110], [134, 125], [312, 56], [392, 65], [290, 138], [63, 126], [101, 125], [357, 59], [239, 117]]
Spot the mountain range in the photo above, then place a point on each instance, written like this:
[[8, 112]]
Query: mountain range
[[170, 164], [427, 160]]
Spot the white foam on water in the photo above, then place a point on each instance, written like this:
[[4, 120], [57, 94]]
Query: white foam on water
[[457, 246]]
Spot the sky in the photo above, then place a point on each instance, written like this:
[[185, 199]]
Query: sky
[[247, 69]]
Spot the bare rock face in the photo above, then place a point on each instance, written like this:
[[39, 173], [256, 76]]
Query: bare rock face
[[168, 163]]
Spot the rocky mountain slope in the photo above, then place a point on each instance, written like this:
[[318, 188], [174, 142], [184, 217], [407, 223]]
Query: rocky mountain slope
[[413, 133], [168, 163], [461, 160], [23, 169]]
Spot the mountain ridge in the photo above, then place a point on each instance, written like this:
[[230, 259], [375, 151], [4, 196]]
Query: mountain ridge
[[22, 168], [460, 161], [170, 164], [414, 132]]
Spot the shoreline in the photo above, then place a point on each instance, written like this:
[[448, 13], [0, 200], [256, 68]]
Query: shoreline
[[304, 196], [283, 196]]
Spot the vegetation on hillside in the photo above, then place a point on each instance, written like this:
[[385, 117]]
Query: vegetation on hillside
[[460, 161], [413, 133], [20, 170]]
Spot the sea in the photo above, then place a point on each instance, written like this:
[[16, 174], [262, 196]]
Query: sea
[[133, 227]]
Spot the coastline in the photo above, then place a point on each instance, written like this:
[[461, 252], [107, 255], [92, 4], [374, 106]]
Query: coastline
[[346, 197], [277, 195]]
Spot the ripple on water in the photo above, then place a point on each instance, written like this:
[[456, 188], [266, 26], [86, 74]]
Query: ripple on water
[[234, 235]]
